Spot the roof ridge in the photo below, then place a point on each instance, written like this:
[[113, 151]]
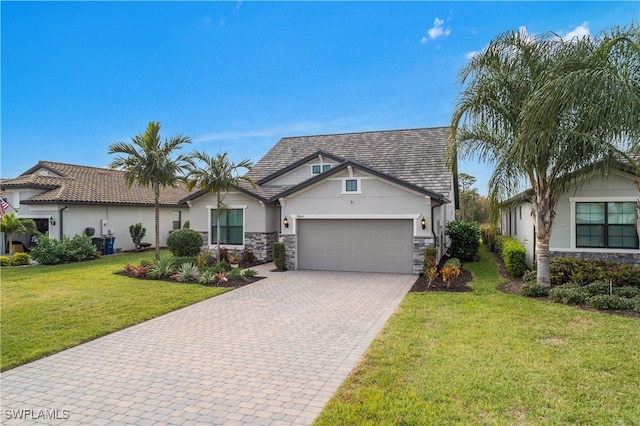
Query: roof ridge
[[366, 132], [44, 162]]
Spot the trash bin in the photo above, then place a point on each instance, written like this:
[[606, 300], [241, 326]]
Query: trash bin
[[99, 243], [108, 249]]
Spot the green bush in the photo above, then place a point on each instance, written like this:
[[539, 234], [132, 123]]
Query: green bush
[[596, 288], [184, 242], [610, 302], [162, 268], [564, 269], [499, 243], [4, 261], [533, 289], [249, 273], [430, 257], [530, 276], [20, 259], [465, 239], [627, 292], [187, 272], [75, 249], [514, 257], [637, 307], [568, 294], [278, 255]]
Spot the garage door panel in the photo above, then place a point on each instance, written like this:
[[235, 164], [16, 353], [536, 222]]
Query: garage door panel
[[356, 245]]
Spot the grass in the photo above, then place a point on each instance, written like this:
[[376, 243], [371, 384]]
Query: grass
[[45, 309], [494, 359]]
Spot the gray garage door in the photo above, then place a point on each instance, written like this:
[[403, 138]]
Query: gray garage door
[[356, 245]]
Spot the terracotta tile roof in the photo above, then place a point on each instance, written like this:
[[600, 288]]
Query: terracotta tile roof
[[69, 183], [415, 156]]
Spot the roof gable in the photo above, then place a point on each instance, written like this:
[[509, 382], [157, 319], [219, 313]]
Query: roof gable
[[415, 156]]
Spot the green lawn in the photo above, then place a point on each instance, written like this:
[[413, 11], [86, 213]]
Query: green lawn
[[494, 359], [45, 309]]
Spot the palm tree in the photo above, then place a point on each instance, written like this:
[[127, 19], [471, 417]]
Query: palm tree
[[548, 114], [11, 225], [148, 162], [216, 175]]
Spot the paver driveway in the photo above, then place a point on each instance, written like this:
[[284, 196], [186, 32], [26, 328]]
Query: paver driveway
[[270, 353]]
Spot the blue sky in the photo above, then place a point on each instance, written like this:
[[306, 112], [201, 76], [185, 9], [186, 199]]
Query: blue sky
[[238, 76]]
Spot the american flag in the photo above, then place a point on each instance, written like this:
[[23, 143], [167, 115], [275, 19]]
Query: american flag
[[3, 207]]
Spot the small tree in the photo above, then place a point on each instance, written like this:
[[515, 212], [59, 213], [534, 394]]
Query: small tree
[[137, 233], [465, 239], [12, 225]]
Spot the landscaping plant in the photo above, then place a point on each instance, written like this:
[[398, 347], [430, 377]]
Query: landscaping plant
[[184, 242], [450, 271], [137, 233], [465, 239], [278, 255], [187, 272]]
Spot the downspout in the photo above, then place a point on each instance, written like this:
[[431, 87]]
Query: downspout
[[62, 222], [435, 237]]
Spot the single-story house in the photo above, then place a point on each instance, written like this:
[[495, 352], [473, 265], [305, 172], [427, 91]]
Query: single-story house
[[594, 220], [370, 201], [66, 199]]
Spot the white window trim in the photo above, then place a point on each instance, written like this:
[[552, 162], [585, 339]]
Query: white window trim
[[321, 165], [344, 186], [572, 230], [211, 208]]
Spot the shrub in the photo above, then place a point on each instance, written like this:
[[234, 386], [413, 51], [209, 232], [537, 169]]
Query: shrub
[[187, 272], [249, 273], [162, 268], [184, 242], [224, 254], [20, 259], [533, 289], [137, 233], [430, 257], [221, 278], [222, 266], [568, 294], [208, 276], [610, 302], [204, 259], [248, 257], [236, 273], [627, 292], [499, 243], [75, 249], [465, 239], [187, 225], [564, 269], [514, 256], [596, 288], [637, 307], [278, 255], [430, 275], [4, 261], [450, 271], [530, 276], [140, 271]]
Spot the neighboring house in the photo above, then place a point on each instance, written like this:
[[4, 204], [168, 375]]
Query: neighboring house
[[595, 220], [66, 199], [369, 201]]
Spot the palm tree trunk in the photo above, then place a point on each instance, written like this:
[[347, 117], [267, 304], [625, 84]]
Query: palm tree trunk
[[543, 212], [156, 190]]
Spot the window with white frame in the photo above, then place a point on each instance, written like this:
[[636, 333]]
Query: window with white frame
[[606, 225], [231, 227], [317, 168], [351, 186], [177, 219]]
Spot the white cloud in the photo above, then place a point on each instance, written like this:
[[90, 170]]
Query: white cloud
[[578, 32], [471, 54], [437, 31]]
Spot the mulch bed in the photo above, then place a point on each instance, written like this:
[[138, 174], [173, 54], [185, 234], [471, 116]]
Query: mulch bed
[[231, 282], [457, 285]]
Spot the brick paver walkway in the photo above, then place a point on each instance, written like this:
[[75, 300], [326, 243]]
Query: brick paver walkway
[[270, 353]]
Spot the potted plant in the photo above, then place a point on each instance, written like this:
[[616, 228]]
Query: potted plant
[[234, 259]]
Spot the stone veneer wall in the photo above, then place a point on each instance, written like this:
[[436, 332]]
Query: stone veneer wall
[[261, 243], [289, 251], [419, 244], [633, 258]]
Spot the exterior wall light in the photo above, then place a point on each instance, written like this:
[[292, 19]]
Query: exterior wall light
[[423, 222], [285, 222], [51, 221]]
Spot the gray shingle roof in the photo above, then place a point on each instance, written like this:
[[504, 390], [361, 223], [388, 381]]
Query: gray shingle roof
[[82, 184], [415, 156]]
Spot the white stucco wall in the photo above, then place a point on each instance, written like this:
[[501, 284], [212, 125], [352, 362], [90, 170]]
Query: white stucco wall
[[259, 217], [378, 199], [618, 187], [517, 222]]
